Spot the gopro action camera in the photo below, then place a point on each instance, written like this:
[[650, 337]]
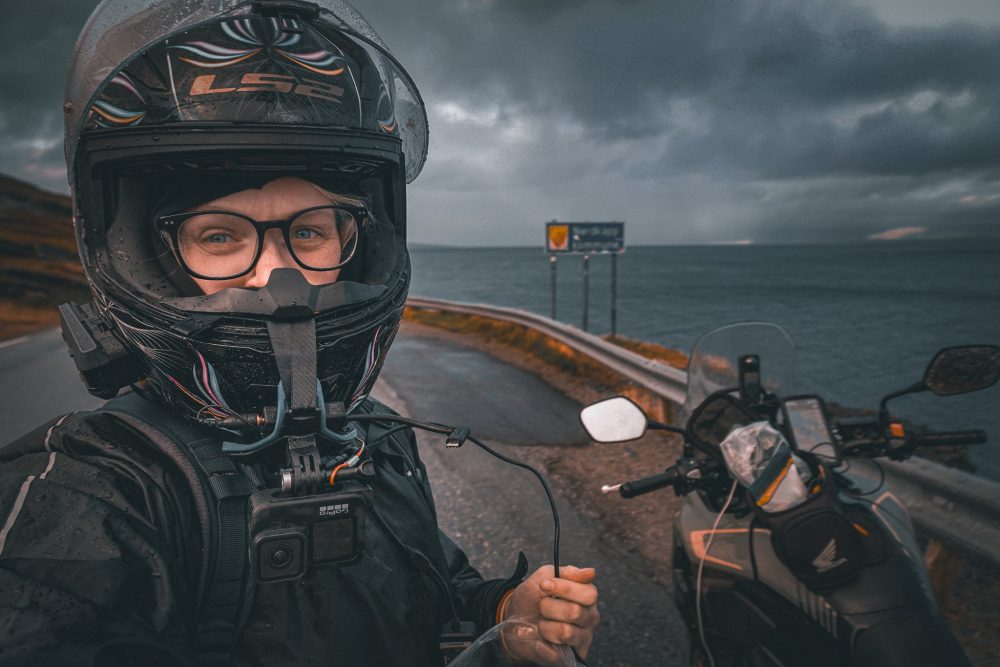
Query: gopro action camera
[[290, 534]]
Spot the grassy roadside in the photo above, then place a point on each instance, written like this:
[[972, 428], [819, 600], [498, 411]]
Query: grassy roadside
[[655, 351], [39, 266]]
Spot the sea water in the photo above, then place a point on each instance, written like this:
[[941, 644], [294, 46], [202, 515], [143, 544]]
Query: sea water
[[866, 318]]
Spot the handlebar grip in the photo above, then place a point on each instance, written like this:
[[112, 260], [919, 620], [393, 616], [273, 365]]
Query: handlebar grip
[[948, 438], [647, 484]]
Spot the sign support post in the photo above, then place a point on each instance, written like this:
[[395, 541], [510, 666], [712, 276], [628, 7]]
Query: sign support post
[[552, 286], [614, 295], [586, 239]]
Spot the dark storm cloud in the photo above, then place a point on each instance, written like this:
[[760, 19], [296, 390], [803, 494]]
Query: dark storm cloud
[[743, 114], [37, 38], [767, 77], [865, 121]]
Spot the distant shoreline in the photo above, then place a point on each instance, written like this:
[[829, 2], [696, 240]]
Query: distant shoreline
[[866, 243]]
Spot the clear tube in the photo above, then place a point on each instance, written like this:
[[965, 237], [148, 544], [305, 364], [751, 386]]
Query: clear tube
[[520, 636]]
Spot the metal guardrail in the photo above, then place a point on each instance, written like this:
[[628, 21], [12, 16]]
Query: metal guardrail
[[950, 505], [656, 376]]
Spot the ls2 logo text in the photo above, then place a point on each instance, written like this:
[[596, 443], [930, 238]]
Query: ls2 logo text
[[264, 82]]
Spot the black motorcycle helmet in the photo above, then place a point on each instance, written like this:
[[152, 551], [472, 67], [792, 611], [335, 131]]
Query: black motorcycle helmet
[[171, 103]]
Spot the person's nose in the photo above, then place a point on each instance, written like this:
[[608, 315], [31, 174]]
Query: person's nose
[[274, 254]]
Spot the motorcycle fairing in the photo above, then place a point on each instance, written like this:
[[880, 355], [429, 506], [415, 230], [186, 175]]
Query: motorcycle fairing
[[729, 551], [742, 559]]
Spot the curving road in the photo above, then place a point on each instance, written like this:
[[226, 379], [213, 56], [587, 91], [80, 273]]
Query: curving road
[[489, 508]]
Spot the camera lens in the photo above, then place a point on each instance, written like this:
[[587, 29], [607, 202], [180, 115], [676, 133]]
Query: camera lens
[[280, 557]]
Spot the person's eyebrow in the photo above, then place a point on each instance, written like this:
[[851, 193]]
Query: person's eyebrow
[[338, 198]]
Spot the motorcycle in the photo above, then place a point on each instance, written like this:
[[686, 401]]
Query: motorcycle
[[788, 548]]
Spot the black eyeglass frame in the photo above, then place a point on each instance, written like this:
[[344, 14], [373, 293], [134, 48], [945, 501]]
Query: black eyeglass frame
[[169, 225]]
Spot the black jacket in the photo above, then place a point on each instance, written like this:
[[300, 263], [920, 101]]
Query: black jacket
[[101, 544]]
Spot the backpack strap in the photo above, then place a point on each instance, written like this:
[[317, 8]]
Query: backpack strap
[[220, 490]]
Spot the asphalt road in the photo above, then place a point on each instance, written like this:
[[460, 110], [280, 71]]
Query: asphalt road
[[491, 509], [38, 381]]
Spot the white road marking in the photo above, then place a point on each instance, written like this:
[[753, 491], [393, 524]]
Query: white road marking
[[13, 341]]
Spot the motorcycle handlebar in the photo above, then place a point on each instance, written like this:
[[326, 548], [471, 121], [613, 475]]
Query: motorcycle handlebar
[[948, 438], [638, 487], [871, 441]]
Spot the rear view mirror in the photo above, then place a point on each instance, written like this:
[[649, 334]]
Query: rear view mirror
[[959, 370], [614, 420]]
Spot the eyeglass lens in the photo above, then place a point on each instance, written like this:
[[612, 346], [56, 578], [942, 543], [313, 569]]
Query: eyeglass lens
[[219, 245]]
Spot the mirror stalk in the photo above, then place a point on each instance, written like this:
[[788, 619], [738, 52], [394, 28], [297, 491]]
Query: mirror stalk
[[660, 426], [883, 409]]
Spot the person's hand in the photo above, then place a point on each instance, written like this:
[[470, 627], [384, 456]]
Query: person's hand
[[564, 611]]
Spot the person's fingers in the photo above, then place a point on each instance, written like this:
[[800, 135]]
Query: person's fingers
[[583, 575], [527, 646], [564, 633], [544, 654], [556, 609], [581, 593]]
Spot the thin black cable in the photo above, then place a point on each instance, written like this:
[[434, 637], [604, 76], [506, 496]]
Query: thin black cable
[[878, 466], [427, 426], [826, 459], [447, 430], [387, 433], [660, 426], [548, 494], [332, 461]]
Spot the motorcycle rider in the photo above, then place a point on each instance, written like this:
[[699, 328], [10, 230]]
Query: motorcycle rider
[[238, 172]]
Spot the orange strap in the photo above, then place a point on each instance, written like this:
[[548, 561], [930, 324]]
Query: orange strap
[[502, 607], [769, 492]]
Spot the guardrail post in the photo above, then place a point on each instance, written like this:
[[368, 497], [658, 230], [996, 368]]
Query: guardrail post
[[586, 288]]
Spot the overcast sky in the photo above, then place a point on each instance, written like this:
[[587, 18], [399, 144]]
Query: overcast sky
[[692, 120]]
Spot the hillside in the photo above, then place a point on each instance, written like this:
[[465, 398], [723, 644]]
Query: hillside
[[39, 266]]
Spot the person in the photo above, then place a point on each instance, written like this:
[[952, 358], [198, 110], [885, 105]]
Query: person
[[238, 172]]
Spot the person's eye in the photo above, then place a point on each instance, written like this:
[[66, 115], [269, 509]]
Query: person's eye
[[307, 233], [217, 238]]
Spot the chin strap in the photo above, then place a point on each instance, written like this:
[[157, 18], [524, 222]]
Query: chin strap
[[301, 407], [294, 347]]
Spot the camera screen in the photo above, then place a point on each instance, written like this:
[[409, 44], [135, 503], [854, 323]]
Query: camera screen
[[334, 540], [809, 428]]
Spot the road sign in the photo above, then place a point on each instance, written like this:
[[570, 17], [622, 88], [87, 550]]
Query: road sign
[[584, 238]]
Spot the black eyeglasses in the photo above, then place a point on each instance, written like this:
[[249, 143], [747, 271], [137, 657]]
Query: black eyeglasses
[[221, 245]]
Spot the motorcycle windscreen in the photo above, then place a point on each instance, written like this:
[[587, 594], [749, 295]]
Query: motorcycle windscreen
[[713, 362]]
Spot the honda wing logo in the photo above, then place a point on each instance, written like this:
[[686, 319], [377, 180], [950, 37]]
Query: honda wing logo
[[827, 559]]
